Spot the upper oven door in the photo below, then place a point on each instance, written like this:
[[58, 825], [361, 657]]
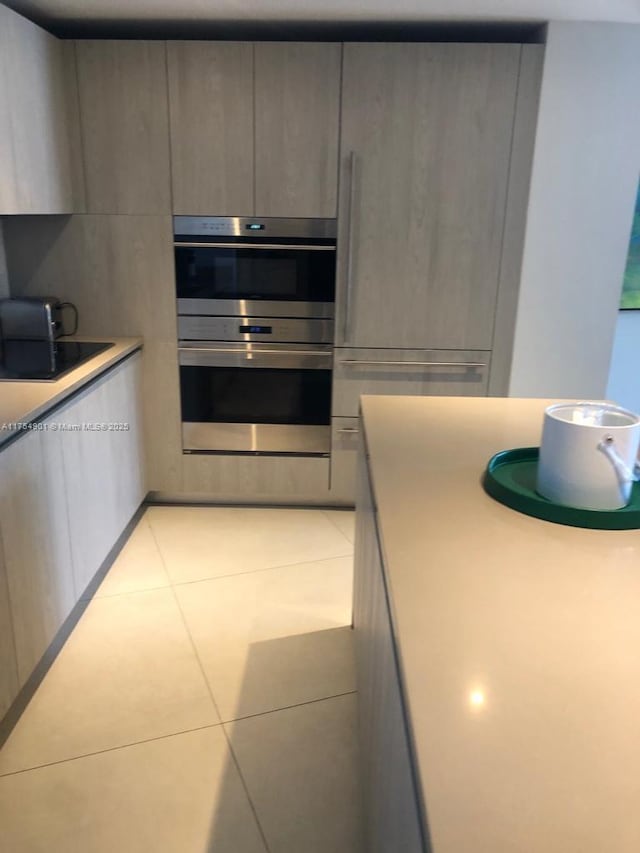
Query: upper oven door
[[253, 271]]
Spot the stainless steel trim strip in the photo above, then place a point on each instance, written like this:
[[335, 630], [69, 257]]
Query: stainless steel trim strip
[[254, 351], [347, 298], [350, 362], [247, 357], [263, 246], [302, 439], [236, 226], [255, 308]]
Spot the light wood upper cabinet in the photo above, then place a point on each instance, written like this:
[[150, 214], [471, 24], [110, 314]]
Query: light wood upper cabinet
[[35, 168], [125, 125], [426, 136], [297, 117], [211, 106], [254, 128]]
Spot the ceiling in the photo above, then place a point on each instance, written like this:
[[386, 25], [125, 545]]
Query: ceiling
[[245, 11]]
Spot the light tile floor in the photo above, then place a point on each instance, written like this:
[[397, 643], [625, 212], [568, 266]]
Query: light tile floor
[[205, 701]]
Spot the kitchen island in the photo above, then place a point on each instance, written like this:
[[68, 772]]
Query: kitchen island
[[498, 655]]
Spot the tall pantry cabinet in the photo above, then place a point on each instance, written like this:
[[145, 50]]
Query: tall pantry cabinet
[[433, 174]]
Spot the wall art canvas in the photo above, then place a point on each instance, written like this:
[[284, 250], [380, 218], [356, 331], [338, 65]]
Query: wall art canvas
[[631, 287]]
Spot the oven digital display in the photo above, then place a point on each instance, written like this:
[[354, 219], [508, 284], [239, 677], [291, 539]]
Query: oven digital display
[[255, 226], [256, 330]]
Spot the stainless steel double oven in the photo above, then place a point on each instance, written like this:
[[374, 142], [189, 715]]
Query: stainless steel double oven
[[255, 304]]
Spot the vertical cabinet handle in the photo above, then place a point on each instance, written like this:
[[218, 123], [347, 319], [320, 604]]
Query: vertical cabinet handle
[[349, 282]]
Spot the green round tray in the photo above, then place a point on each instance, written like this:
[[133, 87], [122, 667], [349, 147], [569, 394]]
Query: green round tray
[[511, 479]]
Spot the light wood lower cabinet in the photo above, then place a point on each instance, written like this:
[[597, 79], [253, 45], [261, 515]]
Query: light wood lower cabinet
[[102, 467], [453, 373], [257, 479], [345, 438], [392, 814], [35, 538], [66, 495], [8, 664]]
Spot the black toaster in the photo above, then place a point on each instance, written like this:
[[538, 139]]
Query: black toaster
[[32, 319]]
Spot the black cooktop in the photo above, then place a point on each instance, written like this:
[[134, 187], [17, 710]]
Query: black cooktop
[[44, 361]]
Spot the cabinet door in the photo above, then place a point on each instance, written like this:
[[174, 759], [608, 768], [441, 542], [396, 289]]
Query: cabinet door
[[125, 126], [451, 373], [102, 468], [392, 813], [211, 107], [345, 438], [35, 538], [35, 170], [297, 100], [8, 665], [426, 135]]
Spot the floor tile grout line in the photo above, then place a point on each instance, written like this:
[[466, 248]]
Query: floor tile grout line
[[243, 782], [171, 584], [215, 705], [289, 707], [328, 517], [264, 569], [109, 749]]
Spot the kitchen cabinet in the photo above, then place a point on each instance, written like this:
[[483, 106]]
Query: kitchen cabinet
[[211, 100], [425, 145], [257, 479], [453, 373], [254, 128], [8, 664], [35, 538], [68, 489], [35, 167], [297, 113], [122, 88], [102, 469], [345, 438], [392, 817]]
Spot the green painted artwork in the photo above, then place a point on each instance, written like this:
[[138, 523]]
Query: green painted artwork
[[631, 286]]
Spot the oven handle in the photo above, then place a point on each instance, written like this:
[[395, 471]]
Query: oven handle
[[210, 357], [267, 246], [352, 362]]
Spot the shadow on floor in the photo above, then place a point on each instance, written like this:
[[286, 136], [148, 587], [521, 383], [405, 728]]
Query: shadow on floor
[[299, 764]]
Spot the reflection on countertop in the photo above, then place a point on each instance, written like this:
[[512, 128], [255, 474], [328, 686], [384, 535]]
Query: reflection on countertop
[[24, 401], [45, 361]]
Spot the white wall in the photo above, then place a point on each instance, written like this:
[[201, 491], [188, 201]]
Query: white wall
[[624, 377], [583, 187]]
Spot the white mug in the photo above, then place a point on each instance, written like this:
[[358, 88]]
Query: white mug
[[589, 455]]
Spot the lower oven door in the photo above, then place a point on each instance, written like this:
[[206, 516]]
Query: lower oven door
[[255, 398]]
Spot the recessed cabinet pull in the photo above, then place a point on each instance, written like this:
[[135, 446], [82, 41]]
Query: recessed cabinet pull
[[352, 362], [264, 246], [348, 430], [349, 283]]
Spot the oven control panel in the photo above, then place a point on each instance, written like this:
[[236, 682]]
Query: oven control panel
[[272, 329]]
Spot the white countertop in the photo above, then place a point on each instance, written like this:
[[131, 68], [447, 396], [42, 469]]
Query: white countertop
[[519, 639], [24, 402]]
